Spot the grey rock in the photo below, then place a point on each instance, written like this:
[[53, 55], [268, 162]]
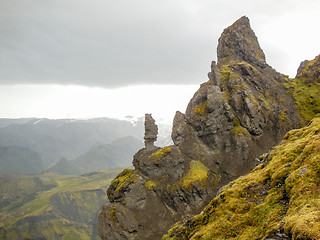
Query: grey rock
[[151, 131]]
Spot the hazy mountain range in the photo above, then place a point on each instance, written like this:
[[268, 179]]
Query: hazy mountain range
[[33, 145]]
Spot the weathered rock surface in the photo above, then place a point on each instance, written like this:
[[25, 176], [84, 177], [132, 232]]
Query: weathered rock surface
[[239, 43], [240, 113], [310, 70], [151, 131]]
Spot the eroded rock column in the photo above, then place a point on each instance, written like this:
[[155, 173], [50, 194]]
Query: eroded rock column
[[151, 131]]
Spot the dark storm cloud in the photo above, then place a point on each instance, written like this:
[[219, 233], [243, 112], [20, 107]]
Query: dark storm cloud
[[117, 43]]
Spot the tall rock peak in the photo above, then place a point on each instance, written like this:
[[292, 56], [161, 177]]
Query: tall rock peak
[[151, 131], [239, 43]]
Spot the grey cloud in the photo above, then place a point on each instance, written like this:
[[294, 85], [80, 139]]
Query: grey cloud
[[116, 43]]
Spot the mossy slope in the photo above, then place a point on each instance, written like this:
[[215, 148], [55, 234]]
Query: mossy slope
[[281, 195], [305, 89]]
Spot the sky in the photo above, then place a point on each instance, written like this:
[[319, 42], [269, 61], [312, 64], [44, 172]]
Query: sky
[[104, 58]]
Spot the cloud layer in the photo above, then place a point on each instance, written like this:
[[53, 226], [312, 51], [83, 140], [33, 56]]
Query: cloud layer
[[120, 43]]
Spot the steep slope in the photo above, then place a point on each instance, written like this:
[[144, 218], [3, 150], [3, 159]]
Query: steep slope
[[305, 89], [50, 206], [240, 113], [279, 199]]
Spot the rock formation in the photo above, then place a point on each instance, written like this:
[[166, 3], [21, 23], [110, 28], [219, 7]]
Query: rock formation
[[278, 200], [240, 113], [151, 131]]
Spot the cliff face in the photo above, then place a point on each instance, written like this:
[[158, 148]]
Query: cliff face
[[240, 113]]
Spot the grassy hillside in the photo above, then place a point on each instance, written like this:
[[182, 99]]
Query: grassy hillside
[[280, 198], [50, 206]]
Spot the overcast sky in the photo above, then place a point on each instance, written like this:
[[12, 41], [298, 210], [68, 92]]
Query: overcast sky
[[63, 48]]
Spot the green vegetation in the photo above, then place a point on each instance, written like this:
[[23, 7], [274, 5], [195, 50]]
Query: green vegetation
[[125, 178], [306, 96], [198, 173], [200, 109], [238, 131], [305, 90], [150, 185], [283, 193], [156, 156], [48, 205]]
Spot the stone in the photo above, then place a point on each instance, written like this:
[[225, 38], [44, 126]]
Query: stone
[[310, 70], [151, 131], [239, 43]]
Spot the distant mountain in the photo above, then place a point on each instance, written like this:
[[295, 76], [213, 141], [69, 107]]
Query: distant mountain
[[19, 160], [64, 167], [68, 138], [73, 140], [118, 153], [50, 206]]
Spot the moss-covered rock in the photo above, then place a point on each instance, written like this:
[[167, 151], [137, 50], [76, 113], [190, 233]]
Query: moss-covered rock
[[281, 195], [305, 89], [198, 173]]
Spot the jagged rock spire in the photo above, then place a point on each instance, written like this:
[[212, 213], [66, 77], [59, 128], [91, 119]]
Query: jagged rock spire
[[239, 43], [151, 131]]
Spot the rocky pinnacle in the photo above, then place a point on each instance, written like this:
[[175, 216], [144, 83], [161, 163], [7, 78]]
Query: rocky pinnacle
[[239, 43], [151, 131]]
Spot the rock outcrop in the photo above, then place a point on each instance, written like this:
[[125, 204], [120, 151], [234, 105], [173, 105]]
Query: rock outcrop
[[278, 200], [305, 89], [151, 131], [240, 113]]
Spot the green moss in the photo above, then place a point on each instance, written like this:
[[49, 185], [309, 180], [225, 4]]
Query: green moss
[[156, 156], [283, 117], [239, 132], [125, 178], [113, 214], [225, 72], [282, 193], [150, 185], [200, 109], [306, 97], [198, 172], [236, 121]]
